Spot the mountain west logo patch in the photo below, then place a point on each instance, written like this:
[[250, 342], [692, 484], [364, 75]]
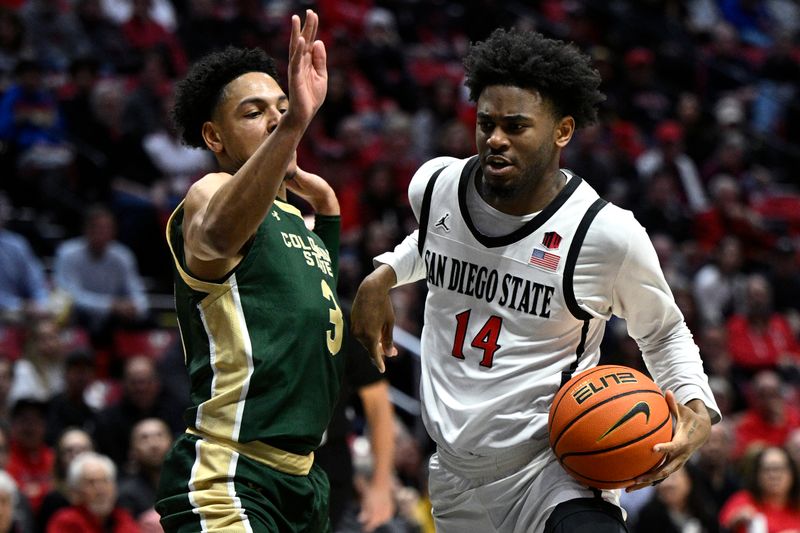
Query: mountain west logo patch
[[551, 240]]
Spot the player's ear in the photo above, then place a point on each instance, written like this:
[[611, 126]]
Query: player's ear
[[565, 127], [212, 137]]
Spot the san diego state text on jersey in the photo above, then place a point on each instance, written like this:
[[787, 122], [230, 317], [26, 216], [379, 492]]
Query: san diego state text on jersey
[[481, 282]]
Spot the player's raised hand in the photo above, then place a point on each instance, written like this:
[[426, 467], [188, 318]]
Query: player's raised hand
[[372, 315], [308, 73], [692, 428]]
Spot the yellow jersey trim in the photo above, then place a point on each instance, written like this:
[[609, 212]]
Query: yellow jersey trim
[[287, 208], [231, 360], [192, 282], [219, 507], [280, 460]]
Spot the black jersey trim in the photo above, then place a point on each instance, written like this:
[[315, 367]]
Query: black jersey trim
[[425, 211], [572, 259], [470, 170], [566, 375]]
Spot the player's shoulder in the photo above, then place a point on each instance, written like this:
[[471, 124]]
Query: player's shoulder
[[419, 181], [205, 187], [616, 217], [614, 229], [429, 168], [611, 221], [201, 191]]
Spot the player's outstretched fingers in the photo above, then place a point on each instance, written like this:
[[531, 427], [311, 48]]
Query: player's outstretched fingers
[[294, 36], [310, 26], [387, 331], [372, 314], [371, 341], [376, 355], [303, 38]]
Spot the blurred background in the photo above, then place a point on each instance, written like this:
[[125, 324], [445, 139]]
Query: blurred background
[[699, 137]]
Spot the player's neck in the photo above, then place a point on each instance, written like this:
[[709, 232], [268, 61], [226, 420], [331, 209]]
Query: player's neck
[[529, 200]]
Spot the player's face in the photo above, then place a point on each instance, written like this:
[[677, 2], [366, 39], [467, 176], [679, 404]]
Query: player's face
[[519, 139], [250, 109]]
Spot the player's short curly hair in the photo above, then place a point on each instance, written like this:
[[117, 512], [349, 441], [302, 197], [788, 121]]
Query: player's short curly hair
[[197, 95], [559, 71]]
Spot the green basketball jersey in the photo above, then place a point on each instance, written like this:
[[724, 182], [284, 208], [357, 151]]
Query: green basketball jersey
[[262, 347]]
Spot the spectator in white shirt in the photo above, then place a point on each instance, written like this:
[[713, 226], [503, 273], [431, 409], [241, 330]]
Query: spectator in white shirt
[[101, 276]]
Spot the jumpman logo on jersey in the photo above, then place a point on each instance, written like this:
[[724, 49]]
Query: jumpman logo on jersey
[[276, 215], [442, 223]]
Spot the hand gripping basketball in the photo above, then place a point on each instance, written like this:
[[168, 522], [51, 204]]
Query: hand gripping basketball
[[604, 424]]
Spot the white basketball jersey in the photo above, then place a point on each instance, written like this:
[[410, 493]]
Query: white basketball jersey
[[502, 327]]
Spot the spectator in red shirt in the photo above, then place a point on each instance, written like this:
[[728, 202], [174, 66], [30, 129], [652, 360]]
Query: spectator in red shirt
[[770, 418], [760, 338], [30, 461], [143, 33], [92, 480], [730, 215], [771, 498], [71, 444]]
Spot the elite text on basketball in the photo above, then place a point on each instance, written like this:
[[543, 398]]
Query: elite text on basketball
[[596, 385]]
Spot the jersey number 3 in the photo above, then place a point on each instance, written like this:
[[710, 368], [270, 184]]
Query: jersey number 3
[[334, 338], [485, 340]]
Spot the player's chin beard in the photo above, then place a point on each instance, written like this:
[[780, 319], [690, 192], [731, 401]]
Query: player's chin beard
[[503, 190]]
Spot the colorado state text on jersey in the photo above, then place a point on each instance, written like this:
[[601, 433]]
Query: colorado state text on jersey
[[314, 254]]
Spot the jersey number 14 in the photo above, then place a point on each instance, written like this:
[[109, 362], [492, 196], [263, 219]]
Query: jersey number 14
[[486, 338]]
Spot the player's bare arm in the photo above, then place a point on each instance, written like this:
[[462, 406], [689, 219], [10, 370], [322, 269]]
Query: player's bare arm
[[692, 428], [315, 190], [223, 211], [372, 315]]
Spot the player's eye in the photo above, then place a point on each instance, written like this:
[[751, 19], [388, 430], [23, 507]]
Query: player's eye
[[253, 114], [486, 126]]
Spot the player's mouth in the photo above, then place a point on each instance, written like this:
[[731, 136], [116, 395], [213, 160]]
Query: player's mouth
[[497, 166]]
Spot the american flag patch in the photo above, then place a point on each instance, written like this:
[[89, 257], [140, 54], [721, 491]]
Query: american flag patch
[[544, 259]]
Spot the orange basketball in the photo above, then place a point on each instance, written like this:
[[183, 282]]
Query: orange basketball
[[604, 423]]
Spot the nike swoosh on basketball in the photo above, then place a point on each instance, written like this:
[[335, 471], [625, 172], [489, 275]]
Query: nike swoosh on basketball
[[641, 407]]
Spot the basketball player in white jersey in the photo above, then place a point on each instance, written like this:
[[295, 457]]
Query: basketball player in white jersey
[[524, 264]]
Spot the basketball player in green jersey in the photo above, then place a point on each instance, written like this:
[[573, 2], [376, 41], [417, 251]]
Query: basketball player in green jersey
[[254, 291]]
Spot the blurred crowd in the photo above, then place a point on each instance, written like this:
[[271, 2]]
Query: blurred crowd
[[699, 137]]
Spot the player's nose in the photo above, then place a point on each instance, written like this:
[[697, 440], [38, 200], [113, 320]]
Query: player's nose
[[273, 118], [497, 140]]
